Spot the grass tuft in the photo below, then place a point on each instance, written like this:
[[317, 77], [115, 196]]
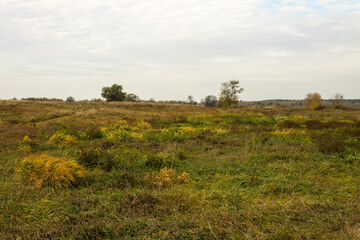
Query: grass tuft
[[45, 170], [61, 138]]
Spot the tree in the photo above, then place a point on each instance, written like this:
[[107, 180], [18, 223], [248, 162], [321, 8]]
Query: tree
[[337, 100], [130, 97], [190, 100], [210, 101], [229, 91], [70, 99], [113, 93], [313, 100]]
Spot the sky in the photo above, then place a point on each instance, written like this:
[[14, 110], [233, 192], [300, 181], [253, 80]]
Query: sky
[[170, 49]]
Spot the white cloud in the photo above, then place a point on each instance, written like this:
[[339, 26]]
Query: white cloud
[[179, 42], [276, 54]]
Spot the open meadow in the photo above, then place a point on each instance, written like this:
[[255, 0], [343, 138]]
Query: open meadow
[[99, 170]]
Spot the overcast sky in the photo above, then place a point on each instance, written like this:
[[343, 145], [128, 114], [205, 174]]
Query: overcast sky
[[175, 48]]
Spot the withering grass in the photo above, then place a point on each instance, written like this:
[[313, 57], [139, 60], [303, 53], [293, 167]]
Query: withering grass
[[180, 172]]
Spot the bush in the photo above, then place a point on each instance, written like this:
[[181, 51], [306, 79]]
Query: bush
[[313, 101], [45, 170]]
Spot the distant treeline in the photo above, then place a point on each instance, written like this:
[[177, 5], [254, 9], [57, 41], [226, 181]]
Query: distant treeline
[[271, 102], [297, 103], [176, 102], [43, 99]]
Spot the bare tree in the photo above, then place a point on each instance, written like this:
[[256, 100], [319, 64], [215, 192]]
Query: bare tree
[[190, 99], [337, 100]]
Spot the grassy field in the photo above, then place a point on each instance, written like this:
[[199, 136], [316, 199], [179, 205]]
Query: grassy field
[[152, 171]]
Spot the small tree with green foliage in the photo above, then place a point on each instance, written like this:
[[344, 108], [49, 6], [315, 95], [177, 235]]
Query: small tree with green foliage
[[130, 97], [229, 93], [70, 99], [113, 93], [210, 101]]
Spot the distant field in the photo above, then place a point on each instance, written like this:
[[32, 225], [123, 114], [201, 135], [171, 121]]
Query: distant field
[[157, 171]]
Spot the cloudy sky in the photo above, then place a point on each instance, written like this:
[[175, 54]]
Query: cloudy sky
[[175, 48]]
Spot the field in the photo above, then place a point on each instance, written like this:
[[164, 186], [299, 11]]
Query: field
[[155, 171]]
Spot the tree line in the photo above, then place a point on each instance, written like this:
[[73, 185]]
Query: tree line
[[228, 97]]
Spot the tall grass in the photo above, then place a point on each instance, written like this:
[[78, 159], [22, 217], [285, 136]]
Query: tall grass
[[45, 170]]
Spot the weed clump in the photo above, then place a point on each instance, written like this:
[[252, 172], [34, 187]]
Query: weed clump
[[221, 131], [143, 125], [167, 177], [93, 132], [185, 130], [329, 143], [181, 154], [62, 138], [97, 158], [156, 161], [45, 170], [89, 157], [351, 158], [106, 159], [27, 144]]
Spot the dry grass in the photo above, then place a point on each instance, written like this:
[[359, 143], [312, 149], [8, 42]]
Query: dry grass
[[45, 170], [157, 171]]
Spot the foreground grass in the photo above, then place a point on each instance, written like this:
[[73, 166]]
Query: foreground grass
[[181, 172]]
